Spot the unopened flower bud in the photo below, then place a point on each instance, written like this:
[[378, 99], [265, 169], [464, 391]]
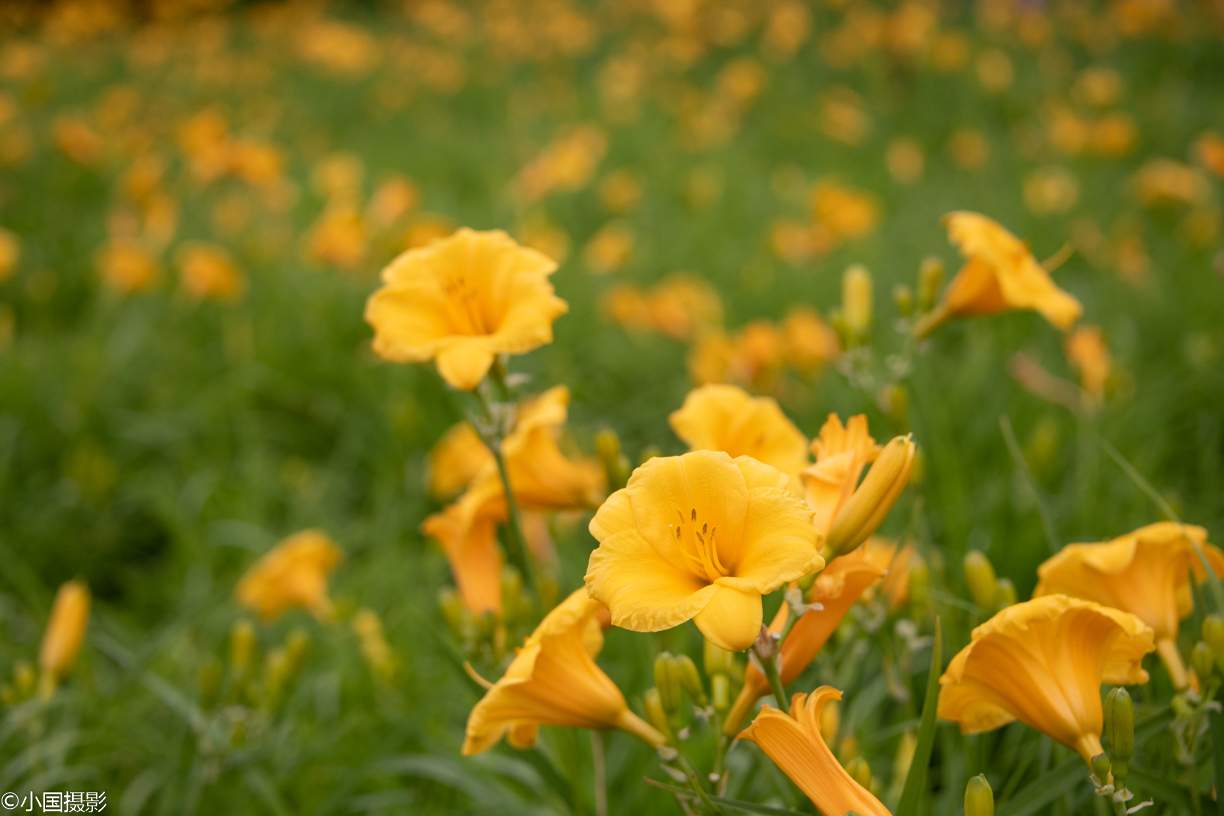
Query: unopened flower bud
[[919, 581], [720, 692], [667, 681], [276, 678], [980, 576], [894, 401], [210, 684], [690, 680], [830, 721], [512, 593], [655, 714], [859, 771], [903, 298], [856, 301], [242, 646], [24, 679], [1120, 730], [717, 660], [979, 798], [65, 633], [297, 646], [1005, 594], [1101, 768], [1213, 636], [452, 610], [615, 465], [1202, 662], [870, 503], [930, 276]]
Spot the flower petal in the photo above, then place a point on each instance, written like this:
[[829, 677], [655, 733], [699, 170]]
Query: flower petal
[[732, 618], [463, 363], [780, 542], [614, 515], [642, 590]]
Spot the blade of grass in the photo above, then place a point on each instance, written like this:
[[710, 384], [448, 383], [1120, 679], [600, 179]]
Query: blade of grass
[[915, 780], [1046, 788], [1217, 589], [1026, 475]]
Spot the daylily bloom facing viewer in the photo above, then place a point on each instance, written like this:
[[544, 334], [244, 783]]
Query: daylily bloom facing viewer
[[1042, 662], [796, 746], [1146, 573], [700, 536], [462, 301], [293, 573], [727, 418], [836, 589], [1000, 275], [553, 680], [65, 633]]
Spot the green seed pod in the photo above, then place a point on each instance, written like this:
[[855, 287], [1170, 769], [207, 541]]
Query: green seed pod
[[690, 680], [980, 576], [860, 771], [1120, 730], [979, 798]]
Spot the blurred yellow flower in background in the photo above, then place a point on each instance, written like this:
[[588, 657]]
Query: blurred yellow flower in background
[[127, 267], [206, 272], [727, 418], [292, 574], [1088, 354], [1042, 662], [810, 342], [700, 536], [1166, 182], [835, 590], [1145, 572], [554, 680], [462, 301], [796, 745], [682, 305], [64, 635], [10, 253], [1000, 275]]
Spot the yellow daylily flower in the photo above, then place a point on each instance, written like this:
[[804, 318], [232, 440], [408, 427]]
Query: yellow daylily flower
[[467, 532], [456, 460], [293, 573], [1042, 662], [462, 301], [64, 635], [796, 746], [841, 451], [700, 536], [1146, 573], [835, 590], [1000, 275], [727, 418], [554, 680]]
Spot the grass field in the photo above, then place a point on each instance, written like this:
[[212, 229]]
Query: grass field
[[161, 428]]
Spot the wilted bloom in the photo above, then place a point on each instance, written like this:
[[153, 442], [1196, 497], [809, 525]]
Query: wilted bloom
[[1088, 353], [462, 301], [1001, 275], [554, 680], [835, 590], [700, 536], [727, 418], [796, 745], [1146, 573], [1042, 662], [64, 635], [293, 573], [206, 271]]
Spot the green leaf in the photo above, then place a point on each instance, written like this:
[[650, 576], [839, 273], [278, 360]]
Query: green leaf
[[1044, 790], [747, 807], [915, 780]]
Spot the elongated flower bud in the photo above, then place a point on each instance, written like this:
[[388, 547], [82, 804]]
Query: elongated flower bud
[[1120, 730], [903, 298], [717, 661], [690, 680], [856, 300], [242, 646], [979, 798], [615, 464], [1005, 594], [859, 771], [980, 576], [1101, 768], [1213, 635], [1202, 661], [64, 636], [655, 715], [667, 681], [930, 276], [866, 509]]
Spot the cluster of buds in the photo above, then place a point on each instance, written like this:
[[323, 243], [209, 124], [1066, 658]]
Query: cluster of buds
[[245, 682], [724, 673], [1110, 769], [989, 592], [674, 674], [486, 635]]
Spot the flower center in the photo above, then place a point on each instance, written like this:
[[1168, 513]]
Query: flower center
[[697, 545], [463, 302]]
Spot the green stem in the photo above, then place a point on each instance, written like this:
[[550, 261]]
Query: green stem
[[601, 774], [770, 667], [518, 544]]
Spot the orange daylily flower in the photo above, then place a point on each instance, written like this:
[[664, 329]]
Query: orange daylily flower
[[65, 633], [1042, 662], [1087, 352], [467, 532], [836, 589], [206, 271], [897, 561], [796, 746], [700, 536], [727, 418], [1000, 275], [456, 460], [462, 301], [841, 451], [293, 573], [554, 680], [1146, 573]]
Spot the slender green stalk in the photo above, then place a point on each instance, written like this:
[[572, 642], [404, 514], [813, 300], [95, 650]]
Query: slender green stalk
[[770, 667], [601, 774], [1047, 519]]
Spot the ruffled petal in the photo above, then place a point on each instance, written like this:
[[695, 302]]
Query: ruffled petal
[[780, 542], [642, 590]]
